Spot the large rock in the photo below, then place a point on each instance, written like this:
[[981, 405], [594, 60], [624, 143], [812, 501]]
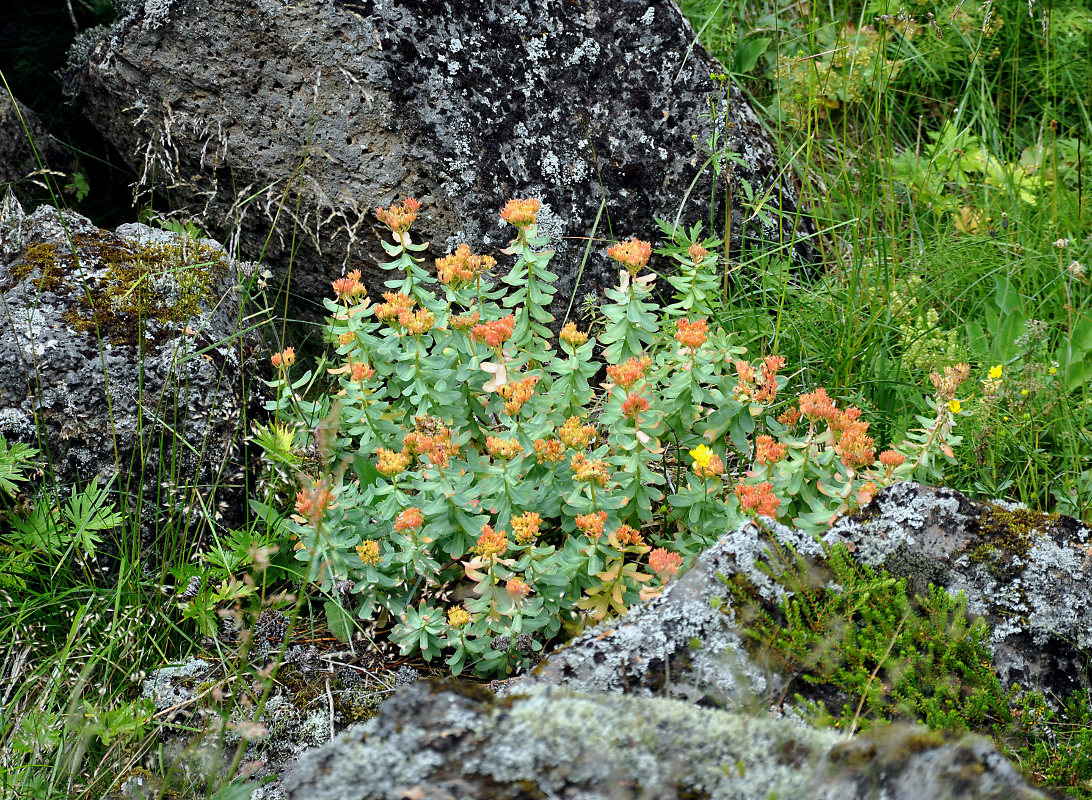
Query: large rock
[[26, 148], [442, 743], [1028, 574], [312, 114], [684, 643], [122, 358]]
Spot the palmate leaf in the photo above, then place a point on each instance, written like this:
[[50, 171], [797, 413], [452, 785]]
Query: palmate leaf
[[88, 513], [14, 459]]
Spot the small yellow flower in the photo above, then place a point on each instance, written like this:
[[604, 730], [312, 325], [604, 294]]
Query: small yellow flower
[[702, 455], [1052, 371], [1024, 392], [457, 616], [995, 372], [954, 406]]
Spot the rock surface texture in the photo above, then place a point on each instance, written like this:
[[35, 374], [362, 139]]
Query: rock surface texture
[[121, 357], [312, 114], [435, 742], [17, 159], [684, 643], [1029, 574]]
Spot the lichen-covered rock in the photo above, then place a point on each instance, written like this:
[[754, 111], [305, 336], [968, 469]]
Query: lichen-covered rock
[[1028, 574], [435, 741], [312, 114], [122, 359], [684, 643]]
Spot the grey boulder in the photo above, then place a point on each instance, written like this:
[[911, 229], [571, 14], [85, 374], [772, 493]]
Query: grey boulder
[[302, 118]]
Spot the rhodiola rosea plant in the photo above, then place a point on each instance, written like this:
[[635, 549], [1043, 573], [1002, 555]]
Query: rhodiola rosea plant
[[476, 490]]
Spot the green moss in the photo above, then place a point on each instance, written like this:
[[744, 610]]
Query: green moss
[[134, 285], [1006, 536], [302, 694]]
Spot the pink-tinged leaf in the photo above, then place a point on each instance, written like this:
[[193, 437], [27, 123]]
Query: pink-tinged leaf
[[499, 373], [947, 451]]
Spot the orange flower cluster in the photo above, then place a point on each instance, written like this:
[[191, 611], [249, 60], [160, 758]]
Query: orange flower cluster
[[575, 435], [409, 520], [349, 288], [571, 336], [391, 463], [855, 446], [626, 535], [464, 322], [892, 458], [526, 526], [395, 306], [817, 405], [697, 253], [431, 442], [503, 449], [521, 213], [634, 406], [491, 543], [462, 267], [549, 450], [589, 471], [592, 524], [346, 337], [790, 416], [758, 499], [369, 553], [494, 333], [312, 503], [518, 393], [769, 451], [748, 387], [633, 255], [360, 371], [285, 358], [664, 564], [692, 334], [627, 374], [399, 218], [517, 588]]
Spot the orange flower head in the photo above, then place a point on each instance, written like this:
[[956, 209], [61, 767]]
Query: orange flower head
[[517, 393], [517, 588], [592, 524], [575, 435], [462, 267], [815, 406], [571, 336], [491, 543], [790, 416], [768, 391], [626, 535], [313, 502], [589, 471], [634, 406], [391, 463], [396, 304], [522, 213], [664, 564], [526, 526], [409, 520], [285, 358], [399, 218], [494, 333], [464, 322], [549, 450], [697, 253], [369, 553], [349, 288], [769, 451], [633, 255], [627, 374], [855, 446], [892, 458], [361, 372], [503, 449], [758, 500], [417, 322], [692, 334]]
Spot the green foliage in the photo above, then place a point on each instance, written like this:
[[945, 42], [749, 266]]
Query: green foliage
[[14, 460], [854, 637], [456, 453]]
